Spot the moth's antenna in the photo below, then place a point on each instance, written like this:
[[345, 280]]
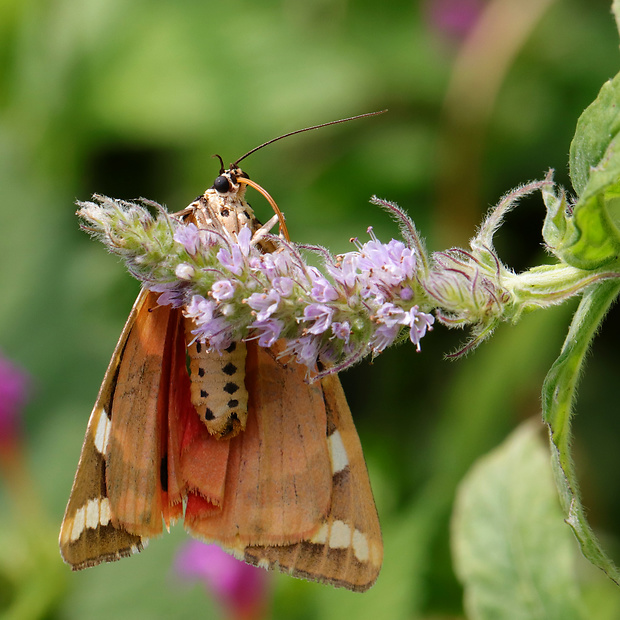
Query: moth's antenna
[[292, 133], [221, 163]]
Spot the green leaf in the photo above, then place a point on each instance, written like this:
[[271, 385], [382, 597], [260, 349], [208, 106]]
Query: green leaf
[[512, 552], [596, 130], [615, 9], [558, 396], [588, 235]]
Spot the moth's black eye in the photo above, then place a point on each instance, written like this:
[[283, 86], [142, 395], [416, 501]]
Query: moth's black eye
[[221, 184]]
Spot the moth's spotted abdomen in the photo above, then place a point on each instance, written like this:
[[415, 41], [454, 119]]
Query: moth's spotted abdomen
[[218, 389]]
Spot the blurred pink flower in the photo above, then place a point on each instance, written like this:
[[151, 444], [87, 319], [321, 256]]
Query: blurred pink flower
[[241, 589], [13, 397], [453, 18]]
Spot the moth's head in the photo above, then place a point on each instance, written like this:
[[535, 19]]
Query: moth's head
[[229, 189], [227, 182]]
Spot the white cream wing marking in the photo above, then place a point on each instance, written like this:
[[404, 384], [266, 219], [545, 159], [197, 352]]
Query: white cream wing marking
[[360, 546], [337, 452], [79, 523], [94, 513], [102, 432], [339, 536]]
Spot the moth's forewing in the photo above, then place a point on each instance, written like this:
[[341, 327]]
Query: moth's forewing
[[346, 548], [137, 447], [88, 536]]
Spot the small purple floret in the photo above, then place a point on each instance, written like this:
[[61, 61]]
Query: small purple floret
[[265, 304], [189, 237]]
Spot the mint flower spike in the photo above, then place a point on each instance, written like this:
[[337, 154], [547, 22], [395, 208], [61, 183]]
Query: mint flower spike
[[358, 304], [334, 321]]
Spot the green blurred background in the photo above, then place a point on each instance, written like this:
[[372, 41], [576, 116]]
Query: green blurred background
[[131, 98]]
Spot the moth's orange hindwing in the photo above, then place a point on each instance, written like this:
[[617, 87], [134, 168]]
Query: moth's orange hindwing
[[278, 476]]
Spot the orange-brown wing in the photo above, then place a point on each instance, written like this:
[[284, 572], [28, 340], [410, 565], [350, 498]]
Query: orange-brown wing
[[346, 550], [134, 455], [88, 535], [130, 473], [279, 477]]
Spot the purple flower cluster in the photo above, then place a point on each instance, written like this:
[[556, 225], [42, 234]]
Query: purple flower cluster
[[253, 285], [384, 275], [364, 305]]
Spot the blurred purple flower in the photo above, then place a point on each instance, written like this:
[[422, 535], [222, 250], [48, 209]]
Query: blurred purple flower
[[346, 271], [453, 18], [273, 265], [201, 309], [419, 323], [305, 349], [341, 330], [233, 260], [241, 589], [13, 397], [210, 327], [384, 336], [283, 285], [322, 289], [171, 294], [244, 239]]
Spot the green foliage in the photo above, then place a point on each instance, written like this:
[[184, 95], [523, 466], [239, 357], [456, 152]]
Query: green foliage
[[587, 235], [511, 549]]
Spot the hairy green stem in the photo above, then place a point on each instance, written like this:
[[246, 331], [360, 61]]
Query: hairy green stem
[[558, 395]]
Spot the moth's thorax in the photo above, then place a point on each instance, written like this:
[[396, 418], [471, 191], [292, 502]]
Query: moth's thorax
[[225, 205]]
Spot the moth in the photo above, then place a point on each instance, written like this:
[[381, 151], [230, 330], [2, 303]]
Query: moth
[[238, 445]]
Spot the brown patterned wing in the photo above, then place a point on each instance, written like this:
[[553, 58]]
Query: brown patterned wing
[[88, 535], [346, 549]]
